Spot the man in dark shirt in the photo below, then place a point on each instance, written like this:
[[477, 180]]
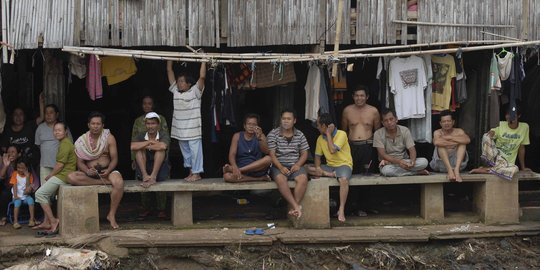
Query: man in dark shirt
[[150, 149]]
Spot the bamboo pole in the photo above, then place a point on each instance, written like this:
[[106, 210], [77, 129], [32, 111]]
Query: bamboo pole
[[454, 24], [337, 38], [205, 57], [288, 55], [497, 35], [442, 43]]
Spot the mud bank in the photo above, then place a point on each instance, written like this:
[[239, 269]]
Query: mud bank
[[486, 253]]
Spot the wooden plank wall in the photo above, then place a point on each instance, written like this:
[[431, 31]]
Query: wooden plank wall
[[274, 22], [495, 12], [202, 28], [154, 23], [331, 20], [127, 23], [374, 21]]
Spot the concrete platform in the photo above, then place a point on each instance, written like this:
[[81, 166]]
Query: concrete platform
[[226, 237]]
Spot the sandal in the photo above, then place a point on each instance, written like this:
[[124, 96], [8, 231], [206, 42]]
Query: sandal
[[3, 221], [16, 226]]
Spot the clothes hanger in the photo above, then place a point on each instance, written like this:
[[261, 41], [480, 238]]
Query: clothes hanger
[[502, 51]]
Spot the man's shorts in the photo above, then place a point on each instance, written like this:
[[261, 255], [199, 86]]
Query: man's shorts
[[361, 152], [274, 172], [341, 171]]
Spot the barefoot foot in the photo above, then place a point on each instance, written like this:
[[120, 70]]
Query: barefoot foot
[[194, 177], [341, 216], [112, 221]]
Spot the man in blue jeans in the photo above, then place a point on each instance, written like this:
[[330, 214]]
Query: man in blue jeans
[[151, 149]]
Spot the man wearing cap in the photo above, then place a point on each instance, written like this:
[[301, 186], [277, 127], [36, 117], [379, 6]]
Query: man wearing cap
[[150, 148]]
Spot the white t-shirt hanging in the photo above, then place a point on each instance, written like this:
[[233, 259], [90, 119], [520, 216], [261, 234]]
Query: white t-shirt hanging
[[407, 81]]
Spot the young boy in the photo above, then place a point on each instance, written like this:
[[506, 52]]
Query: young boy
[[21, 180], [334, 145]]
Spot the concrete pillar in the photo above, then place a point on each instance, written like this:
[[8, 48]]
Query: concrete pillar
[[315, 206], [432, 201], [78, 210], [497, 200], [182, 209]]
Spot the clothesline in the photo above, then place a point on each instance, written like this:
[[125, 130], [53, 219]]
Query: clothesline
[[276, 57]]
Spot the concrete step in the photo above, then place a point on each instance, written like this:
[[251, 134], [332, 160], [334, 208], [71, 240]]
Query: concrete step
[[529, 195], [529, 213]]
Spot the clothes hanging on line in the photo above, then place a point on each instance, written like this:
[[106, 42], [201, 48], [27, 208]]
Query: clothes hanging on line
[[313, 89], [460, 84], [407, 82], [494, 91], [93, 80], [444, 70], [77, 66], [505, 65], [117, 69], [421, 127]]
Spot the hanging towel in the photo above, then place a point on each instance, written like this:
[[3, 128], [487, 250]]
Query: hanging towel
[[117, 69], [93, 80], [313, 88]]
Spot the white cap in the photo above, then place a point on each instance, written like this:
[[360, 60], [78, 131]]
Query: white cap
[[151, 115]]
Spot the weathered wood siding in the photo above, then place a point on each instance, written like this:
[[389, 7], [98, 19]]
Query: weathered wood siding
[[154, 22], [331, 21], [202, 22], [494, 12], [56, 23], [374, 21], [275, 22]]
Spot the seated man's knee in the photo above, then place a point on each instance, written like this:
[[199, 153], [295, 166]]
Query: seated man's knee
[[73, 177], [280, 178], [343, 181], [116, 179], [387, 170], [228, 177], [267, 160], [421, 162], [301, 179]]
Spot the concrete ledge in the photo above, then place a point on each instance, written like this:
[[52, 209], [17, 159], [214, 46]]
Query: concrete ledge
[[372, 180], [207, 184]]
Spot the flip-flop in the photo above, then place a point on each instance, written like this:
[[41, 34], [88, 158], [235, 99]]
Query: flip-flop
[[257, 231], [51, 234], [41, 233]]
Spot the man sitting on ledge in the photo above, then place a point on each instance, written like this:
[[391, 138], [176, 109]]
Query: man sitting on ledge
[[334, 145], [392, 142], [289, 151], [150, 149], [248, 155], [450, 154], [97, 157], [501, 146]]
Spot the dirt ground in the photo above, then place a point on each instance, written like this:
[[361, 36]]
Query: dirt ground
[[480, 253], [493, 253]]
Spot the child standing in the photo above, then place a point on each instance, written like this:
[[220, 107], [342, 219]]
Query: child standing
[[21, 180]]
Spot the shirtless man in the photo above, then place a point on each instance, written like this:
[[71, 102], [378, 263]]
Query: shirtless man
[[360, 120], [450, 153], [97, 157]]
